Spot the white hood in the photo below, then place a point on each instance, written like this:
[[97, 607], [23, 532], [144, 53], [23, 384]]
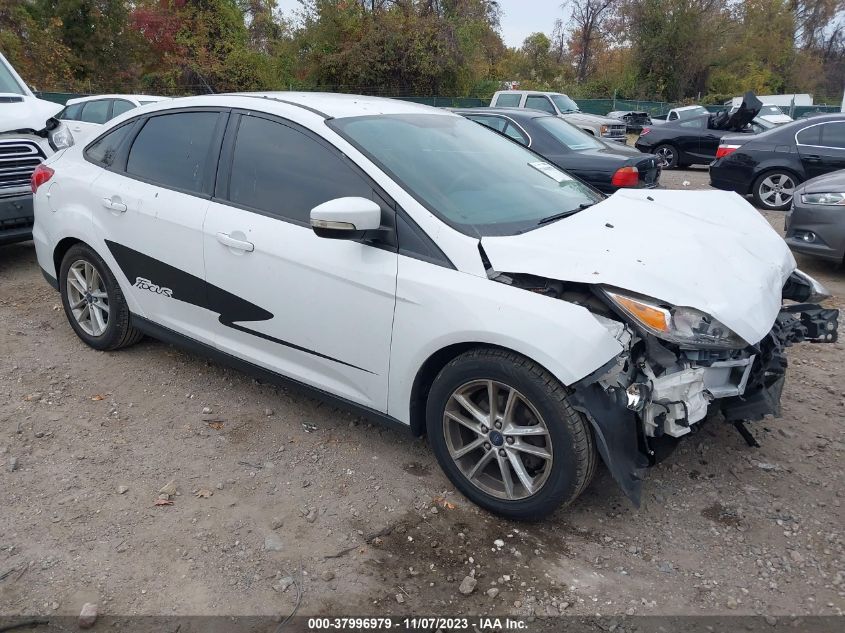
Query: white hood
[[708, 250], [31, 113]]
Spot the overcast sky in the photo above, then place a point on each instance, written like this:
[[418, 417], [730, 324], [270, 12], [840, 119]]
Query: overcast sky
[[520, 18]]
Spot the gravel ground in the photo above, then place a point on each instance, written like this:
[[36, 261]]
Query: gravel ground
[[273, 491]]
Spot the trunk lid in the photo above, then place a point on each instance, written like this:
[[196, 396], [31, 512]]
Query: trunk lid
[[709, 250]]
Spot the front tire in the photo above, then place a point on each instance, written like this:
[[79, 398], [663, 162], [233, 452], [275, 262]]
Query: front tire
[[525, 457], [93, 302], [774, 190]]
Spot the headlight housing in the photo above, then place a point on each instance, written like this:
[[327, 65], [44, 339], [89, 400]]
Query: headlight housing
[[677, 324], [826, 199], [58, 135], [603, 130]]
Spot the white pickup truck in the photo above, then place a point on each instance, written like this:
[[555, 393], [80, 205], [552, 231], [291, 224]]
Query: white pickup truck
[[29, 133]]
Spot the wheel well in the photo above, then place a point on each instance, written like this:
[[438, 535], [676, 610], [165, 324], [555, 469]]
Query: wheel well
[[59, 252], [425, 379]]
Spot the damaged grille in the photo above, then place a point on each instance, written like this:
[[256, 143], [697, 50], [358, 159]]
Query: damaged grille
[[18, 159]]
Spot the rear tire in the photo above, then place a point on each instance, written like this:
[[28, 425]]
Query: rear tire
[[535, 454], [94, 304], [774, 190], [667, 156]]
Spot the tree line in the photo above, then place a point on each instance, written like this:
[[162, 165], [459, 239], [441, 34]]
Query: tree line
[[668, 50]]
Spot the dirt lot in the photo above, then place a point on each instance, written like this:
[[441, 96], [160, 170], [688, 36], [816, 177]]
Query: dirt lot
[[272, 487]]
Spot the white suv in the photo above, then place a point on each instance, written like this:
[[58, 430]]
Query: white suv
[[431, 273], [28, 134]]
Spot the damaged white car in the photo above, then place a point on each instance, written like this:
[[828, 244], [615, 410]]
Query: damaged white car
[[428, 272]]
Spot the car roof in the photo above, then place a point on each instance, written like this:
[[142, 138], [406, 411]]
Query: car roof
[[340, 106], [117, 96]]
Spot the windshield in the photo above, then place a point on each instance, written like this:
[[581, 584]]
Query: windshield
[[572, 137], [565, 104], [771, 109], [475, 180], [692, 112], [8, 83]]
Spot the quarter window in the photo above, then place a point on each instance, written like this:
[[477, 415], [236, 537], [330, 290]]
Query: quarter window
[[833, 135], [95, 111], [104, 151], [540, 103], [809, 135], [121, 106], [508, 100], [285, 173], [173, 150]]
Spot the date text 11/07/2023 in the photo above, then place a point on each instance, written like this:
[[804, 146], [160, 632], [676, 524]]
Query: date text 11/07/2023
[[417, 624]]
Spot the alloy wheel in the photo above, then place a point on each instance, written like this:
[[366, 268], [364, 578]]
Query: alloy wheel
[[87, 297], [665, 156], [498, 439], [776, 190]]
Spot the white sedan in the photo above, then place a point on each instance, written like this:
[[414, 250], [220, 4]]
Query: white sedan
[[430, 273], [85, 116]]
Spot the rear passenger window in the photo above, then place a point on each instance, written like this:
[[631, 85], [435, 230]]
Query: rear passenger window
[[833, 135], [540, 103], [173, 150], [104, 151], [121, 106], [809, 135], [508, 101], [512, 131], [95, 111], [497, 123], [71, 112], [285, 173]]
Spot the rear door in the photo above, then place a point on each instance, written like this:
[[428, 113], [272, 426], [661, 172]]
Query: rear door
[[822, 148], [317, 310], [91, 119], [149, 207]]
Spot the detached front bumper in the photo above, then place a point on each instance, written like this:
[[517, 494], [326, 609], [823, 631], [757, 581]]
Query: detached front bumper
[[653, 394]]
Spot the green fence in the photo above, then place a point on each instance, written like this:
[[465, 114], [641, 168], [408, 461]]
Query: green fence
[[593, 106]]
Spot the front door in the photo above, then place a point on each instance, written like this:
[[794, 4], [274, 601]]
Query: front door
[[317, 310]]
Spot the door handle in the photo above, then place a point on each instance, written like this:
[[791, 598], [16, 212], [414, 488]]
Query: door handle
[[113, 205], [242, 245], [813, 158]]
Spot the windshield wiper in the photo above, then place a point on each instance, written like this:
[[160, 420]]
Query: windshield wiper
[[565, 214]]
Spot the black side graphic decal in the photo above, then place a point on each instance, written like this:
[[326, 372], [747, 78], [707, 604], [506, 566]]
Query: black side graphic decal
[[191, 289]]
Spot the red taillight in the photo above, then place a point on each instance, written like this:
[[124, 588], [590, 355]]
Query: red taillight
[[725, 150], [41, 175], [645, 131], [626, 177]]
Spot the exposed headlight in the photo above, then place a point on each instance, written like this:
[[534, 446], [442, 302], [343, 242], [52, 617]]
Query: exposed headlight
[[604, 129], [676, 324], [58, 135], [817, 292], [827, 199]]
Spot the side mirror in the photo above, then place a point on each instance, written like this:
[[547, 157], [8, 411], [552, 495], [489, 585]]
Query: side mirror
[[345, 218]]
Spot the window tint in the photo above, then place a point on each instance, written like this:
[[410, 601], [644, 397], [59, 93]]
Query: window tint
[[95, 111], [494, 122], [693, 123], [121, 106], [809, 135], [71, 112], [284, 172], [540, 103], [833, 135], [567, 134], [173, 149], [514, 132], [105, 150], [508, 100]]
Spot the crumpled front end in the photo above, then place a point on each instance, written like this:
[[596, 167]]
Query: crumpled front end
[[656, 392]]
